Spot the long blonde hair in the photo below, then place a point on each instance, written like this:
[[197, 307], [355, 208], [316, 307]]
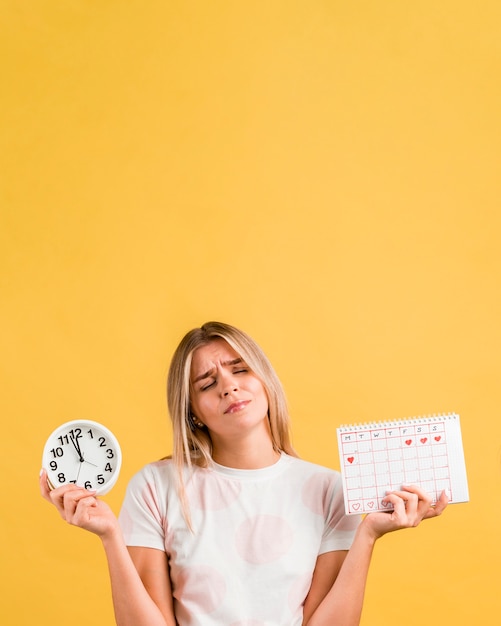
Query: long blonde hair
[[192, 445]]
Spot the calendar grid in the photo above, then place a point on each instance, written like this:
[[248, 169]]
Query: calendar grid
[[378, 458]]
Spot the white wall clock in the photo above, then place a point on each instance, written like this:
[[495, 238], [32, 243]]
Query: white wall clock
[[84, 453]]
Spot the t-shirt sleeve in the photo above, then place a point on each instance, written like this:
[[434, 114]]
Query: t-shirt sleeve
[[339, 528], [141, 517]]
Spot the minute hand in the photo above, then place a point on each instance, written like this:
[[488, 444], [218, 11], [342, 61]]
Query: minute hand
[[76, 445]]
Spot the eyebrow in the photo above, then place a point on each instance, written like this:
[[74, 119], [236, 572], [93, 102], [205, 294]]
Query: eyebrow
[[209, 372]]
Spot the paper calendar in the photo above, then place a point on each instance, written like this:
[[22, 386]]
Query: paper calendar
[[381, 457]]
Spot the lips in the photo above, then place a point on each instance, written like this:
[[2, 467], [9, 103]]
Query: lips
[[235, 407]]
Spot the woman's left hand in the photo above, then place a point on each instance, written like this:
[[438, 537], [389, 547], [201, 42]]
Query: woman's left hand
[[411, 505]]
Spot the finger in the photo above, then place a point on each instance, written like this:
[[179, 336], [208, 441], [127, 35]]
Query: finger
[[439, 507], [81, 511], [418, 491], [58, 494], [44, 486], [72, 498], [417, 499], [410, 500], [399, 510], [412, 504], [51, 494], [65, 499], [443, 501]]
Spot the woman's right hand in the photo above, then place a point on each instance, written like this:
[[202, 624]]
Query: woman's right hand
[[411, 505], [80, 507]]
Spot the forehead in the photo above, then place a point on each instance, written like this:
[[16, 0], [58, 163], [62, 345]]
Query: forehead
[[207, 356]]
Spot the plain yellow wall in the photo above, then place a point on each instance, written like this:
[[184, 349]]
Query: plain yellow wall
[[324, 175]]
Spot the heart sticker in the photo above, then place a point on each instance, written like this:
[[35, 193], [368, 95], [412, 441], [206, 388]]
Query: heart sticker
[[408, 442], [424, 440], [438, 438], [350, 459]]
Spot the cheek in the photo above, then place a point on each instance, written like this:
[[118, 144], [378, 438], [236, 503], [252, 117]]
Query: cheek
[[200, 406], [196, 408]]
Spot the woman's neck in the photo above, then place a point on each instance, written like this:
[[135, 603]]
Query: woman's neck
[[245, 455]]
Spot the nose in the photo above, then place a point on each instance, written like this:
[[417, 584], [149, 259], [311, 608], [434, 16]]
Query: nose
[[229, 385]]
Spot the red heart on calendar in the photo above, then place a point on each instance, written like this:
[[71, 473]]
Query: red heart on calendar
[[370, 505], [408, 442], [350, 459], [438, 438], [424, 440], [356, 506]]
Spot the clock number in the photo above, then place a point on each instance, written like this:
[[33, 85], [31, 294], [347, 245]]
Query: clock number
[[100, 479], [57, 452], [110, 454], [61, 477], [91, 433], [102, 442], [53, 466], [88, 484], [108, 468], [64, 439]]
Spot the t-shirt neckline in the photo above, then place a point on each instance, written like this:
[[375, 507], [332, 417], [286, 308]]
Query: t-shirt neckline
[[252, 474]]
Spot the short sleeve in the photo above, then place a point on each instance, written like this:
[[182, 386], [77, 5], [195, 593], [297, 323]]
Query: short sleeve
[[142, 517], [339, 528]]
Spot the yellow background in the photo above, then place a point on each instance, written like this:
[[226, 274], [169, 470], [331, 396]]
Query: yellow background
[[323, 174]]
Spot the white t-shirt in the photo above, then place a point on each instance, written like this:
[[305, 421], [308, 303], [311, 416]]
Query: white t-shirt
[[256, 537]]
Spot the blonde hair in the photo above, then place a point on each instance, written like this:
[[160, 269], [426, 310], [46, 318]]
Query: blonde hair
[[192, 445]]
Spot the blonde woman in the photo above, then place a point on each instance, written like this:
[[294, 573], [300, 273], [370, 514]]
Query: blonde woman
[[235, 529]]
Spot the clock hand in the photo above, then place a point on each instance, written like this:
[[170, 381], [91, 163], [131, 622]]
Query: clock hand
[[78, 473], [79, 449], [74, 441], [76, 445]]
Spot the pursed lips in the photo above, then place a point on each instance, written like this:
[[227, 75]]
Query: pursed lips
[[237, 406]]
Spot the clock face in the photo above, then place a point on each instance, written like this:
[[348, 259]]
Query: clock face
[[84, 453]]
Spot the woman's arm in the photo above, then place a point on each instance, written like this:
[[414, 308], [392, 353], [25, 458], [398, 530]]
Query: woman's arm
[[326, 571], [136, 603], [153, 569], [344, 601]]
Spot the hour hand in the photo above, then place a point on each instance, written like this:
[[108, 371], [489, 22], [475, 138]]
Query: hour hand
[[76, 445]]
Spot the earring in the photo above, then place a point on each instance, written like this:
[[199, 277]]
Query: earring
[[193, 421]]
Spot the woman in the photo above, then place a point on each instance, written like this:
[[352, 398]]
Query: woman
[[234, 529]]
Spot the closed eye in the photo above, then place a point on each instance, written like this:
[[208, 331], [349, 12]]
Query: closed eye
[[208, 386]]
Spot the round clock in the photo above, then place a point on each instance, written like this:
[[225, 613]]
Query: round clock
[[84, 453]]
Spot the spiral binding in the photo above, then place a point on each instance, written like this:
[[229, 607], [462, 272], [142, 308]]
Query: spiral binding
[[406, 421]]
